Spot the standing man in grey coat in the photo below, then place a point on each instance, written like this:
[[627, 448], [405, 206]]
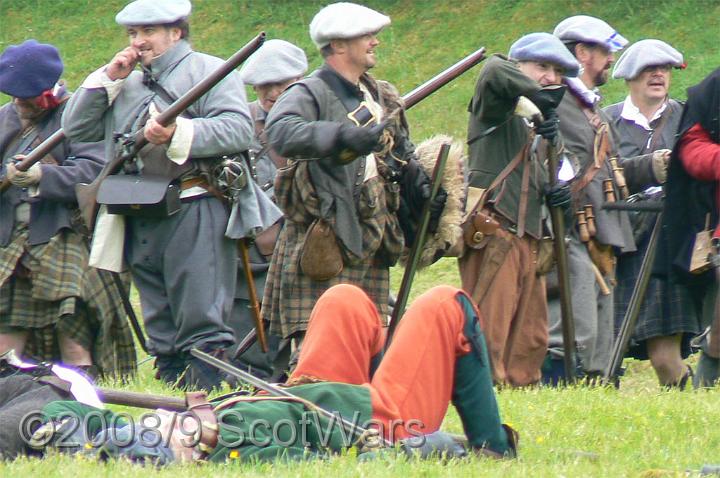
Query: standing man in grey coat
[[599, 234], [182, 264], [348, 140]]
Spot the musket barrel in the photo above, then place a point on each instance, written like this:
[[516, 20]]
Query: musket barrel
[[440, 80], [416, 250], [36, 155]]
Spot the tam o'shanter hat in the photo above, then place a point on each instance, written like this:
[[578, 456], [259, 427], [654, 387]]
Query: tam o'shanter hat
[[543, 47], [345, 20], [153, 12], [643, 54], [28, 69], [276, 61], [587, 29]]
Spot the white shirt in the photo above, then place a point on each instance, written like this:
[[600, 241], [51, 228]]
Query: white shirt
[[632, 113]]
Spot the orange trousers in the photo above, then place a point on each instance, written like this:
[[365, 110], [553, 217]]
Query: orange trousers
[[415, 378]]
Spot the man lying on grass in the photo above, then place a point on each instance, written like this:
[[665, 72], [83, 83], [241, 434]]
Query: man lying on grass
[[438, 355]]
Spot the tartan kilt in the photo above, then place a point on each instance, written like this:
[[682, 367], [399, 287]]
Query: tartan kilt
[[290, 295], [668, 308], [62, 294]]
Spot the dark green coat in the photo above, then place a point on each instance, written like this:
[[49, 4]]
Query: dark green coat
[[498, 88]]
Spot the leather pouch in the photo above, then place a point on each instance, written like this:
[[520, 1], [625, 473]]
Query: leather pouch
[[477, 227], [135, 195], [321, 258], [702, 252], [545, 256], [603, 256]]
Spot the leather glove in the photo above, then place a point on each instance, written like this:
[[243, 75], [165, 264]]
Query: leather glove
[[358, 141], [558, 195], [548, 129], [660, 160], [548, 98], [417, 189], [24, 179]]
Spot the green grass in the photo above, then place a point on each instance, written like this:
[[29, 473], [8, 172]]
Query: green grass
[[635, 431]]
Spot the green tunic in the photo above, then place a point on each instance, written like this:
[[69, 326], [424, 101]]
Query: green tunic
[[496, 135], [294, 431], [262, 427]]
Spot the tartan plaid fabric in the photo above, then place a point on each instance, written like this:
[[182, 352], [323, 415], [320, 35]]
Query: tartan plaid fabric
[[63, 294], [290, 295], [667, 309]]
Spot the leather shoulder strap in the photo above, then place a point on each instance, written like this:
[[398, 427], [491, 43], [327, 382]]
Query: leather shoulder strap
[[501, 177]]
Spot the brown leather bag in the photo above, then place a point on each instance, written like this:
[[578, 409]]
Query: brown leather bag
[[321, 258], [702, 251], [603, 256], [479, 225], [545, 256]]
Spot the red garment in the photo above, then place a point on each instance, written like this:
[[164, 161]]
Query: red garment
[[700, 156], [415, 378]]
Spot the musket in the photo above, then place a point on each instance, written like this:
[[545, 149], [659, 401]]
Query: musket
[[87, 193], [36, 155], [141, 400], [563, 271], [417, 246], [352, 428], [633, 310], [443, 78], [567, 320]]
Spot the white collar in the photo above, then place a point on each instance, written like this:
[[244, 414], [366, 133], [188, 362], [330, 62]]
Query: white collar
[[632, 113], [591, 97]]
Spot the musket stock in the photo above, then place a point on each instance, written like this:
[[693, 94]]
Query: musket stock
[[87, 193], [141, 400], [36, 155]]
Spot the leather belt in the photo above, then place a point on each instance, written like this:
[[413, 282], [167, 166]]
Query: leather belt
[[198, 404], [505, 223], [197, 181]]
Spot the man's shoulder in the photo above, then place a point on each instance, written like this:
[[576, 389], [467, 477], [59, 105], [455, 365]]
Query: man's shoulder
[[7, 110], [613, 111]]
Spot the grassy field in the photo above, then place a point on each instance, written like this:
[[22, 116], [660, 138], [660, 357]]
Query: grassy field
[[637, 430]]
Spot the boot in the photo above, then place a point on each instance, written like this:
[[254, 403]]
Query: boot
[[168, 368], [474, 396], [202, 376], [682, 382], [707, 371]]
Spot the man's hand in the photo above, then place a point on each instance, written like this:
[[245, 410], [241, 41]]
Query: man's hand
[[123, 63], [24, 179], [558, 195], [418, 188], [660, 160], [548, 128], [156, 133], [360, 140]]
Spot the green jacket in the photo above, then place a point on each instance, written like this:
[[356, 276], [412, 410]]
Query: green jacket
[[293, 430], [496, 135], [256, 428]]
